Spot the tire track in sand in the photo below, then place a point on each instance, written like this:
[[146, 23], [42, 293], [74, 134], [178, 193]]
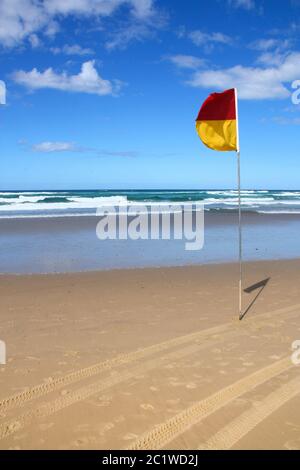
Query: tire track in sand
[[228, 436], [39, 390], [106, 365], [167, 431], [52, 406]]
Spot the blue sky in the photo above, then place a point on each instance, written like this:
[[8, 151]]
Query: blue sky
[[104, 93]]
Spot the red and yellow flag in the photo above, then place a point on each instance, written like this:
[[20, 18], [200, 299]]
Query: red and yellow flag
[[216, 123]]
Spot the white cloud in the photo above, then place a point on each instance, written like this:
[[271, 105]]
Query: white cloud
[[2, 92], [286, 121], [34, 41], [273, 51], [52, 29], [253, 82], [246, 4], [200, 38], [49, 147], [86, 81], [208, 41], [265, 44], [186, 61], [120, 38], [141, 8], [274, 58], [145, 25], [74, 49], [65, 146], [19, 19]]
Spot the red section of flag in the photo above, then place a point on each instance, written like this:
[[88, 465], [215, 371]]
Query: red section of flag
[[218, 107]]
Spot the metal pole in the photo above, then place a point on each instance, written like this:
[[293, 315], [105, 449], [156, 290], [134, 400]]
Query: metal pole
[[239, 200], [240, 235]]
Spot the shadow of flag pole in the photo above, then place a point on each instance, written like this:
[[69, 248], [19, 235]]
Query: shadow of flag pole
[[217, 125]]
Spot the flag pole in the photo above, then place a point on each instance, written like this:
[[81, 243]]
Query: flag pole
[[240, 236], [238, 154]]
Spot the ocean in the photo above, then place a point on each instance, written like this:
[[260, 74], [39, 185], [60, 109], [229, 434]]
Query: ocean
[[16, 204]]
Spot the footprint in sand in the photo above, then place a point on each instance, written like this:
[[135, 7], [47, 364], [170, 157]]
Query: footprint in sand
[[293, 445], [71, 353], [174, 401], [23, 371], [296, 427], [45, 426], [130, 436], [147, 406], [48, 380], [191, 385], [106, 427], [216, 337], [13, 427], [104, 400], [177, 384], [80, 442], [81, 427], [103, 403], [120, 419]]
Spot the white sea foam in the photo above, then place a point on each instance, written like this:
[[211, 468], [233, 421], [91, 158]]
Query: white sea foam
[[234, 201], [70, 203], [84, 206], [30, 203], [279, 211]]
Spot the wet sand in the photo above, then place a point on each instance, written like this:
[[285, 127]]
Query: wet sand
[[151, 359], [70, 244]]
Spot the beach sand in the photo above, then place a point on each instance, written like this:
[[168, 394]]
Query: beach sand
[[151, 359]]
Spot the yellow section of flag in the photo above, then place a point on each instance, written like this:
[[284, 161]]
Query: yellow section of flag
[[218, 135]]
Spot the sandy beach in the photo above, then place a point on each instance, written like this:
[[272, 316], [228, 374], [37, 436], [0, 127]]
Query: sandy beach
[[151, 359]]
